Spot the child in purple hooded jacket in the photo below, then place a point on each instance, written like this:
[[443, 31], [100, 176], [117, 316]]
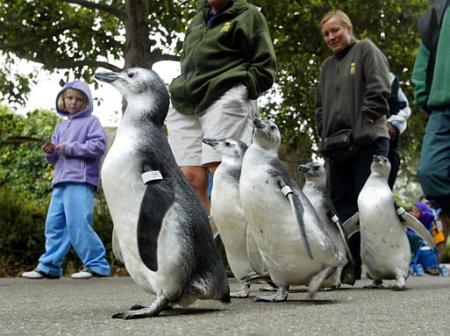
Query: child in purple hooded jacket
[[76, 148]]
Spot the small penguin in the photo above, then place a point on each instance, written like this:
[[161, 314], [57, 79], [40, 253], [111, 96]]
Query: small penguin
[[242, 253], [161, 227], [385, 249], [315, 190], [288, 232]]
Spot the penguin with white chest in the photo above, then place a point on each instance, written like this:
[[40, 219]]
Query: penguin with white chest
[[385, 249], [161, 227], [288, 232], [315, 190], [242, 253]]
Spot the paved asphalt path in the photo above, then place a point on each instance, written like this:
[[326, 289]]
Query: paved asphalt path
[[84, 307]]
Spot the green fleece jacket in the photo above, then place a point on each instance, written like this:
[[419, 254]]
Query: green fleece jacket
[[235, 48], [439, 95], [353, 93]]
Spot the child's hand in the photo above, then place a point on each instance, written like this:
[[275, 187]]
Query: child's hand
[[48, 148], [58, 147]]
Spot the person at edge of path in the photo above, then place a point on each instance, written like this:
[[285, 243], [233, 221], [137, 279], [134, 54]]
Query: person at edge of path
[[227, 62], [76, 147], [399, 112], [422, 253], [352, 93], [431, 79]]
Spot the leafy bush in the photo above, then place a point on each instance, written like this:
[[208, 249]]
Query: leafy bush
[[23, 168], [21, 227]]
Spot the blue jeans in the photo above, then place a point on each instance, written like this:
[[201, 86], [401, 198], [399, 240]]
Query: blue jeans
[[69, 222]]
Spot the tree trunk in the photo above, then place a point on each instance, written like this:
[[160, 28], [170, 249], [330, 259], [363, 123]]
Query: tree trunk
[[137, 44]]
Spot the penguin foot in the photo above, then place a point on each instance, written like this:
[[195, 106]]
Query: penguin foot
[[318, 279], [376, 284], [399, 284], [280, 296], [243, 293], [139, 306], [148, 311], [397, 288]]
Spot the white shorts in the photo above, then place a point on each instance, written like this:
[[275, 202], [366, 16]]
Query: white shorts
[[229, 117]]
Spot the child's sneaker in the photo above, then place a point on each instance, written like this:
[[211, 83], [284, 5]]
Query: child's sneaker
[[85, 273], [37, 274], [444, 270]]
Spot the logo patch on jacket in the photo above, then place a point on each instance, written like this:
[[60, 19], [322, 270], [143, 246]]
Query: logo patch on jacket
[[226, 27], [352, 68]]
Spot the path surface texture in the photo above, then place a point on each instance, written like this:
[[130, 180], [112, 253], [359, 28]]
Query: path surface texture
[[84, 307]]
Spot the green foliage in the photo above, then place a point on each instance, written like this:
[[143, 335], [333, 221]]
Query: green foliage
[[80, 36], [21, 225], [23, 168]]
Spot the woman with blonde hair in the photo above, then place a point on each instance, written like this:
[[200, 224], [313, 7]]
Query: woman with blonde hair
[[351, 104]]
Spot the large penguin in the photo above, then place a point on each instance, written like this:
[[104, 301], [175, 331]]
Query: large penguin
[[161, 227], [242, 253], [385, 247], [315, 190], [288, 232]]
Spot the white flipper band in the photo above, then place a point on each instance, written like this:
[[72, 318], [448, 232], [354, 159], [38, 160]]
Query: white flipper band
[[152, 175], [286, 190]]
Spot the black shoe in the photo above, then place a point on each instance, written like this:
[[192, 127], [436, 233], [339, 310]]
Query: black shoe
[[432, 270]]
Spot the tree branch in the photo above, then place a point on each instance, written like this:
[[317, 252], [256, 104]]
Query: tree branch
[[98, 6], [70, 64], [165, 57], [36, 38]]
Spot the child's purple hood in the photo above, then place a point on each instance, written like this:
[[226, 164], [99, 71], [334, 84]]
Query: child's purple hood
[[80, 86], [426, 215]]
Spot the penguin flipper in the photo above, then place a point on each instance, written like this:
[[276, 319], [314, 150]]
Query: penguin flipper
[[414, 224], [297, 210], [158, 198], [351, 225]]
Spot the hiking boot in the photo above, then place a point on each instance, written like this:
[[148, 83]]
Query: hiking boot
[[38, 274]]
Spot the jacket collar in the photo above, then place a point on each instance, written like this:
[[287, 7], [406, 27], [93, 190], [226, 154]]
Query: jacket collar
[[237, 7], [344, 52]]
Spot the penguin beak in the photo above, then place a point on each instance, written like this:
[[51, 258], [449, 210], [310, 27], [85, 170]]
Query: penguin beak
[[107, 77], [378, 158], [211, 142], [258, 123]]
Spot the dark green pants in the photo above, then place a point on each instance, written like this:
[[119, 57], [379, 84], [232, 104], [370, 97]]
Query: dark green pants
[[434, 164]]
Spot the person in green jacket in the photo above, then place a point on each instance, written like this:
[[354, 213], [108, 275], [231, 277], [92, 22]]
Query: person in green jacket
[[227, 62], [431, 79], [352, 96]]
